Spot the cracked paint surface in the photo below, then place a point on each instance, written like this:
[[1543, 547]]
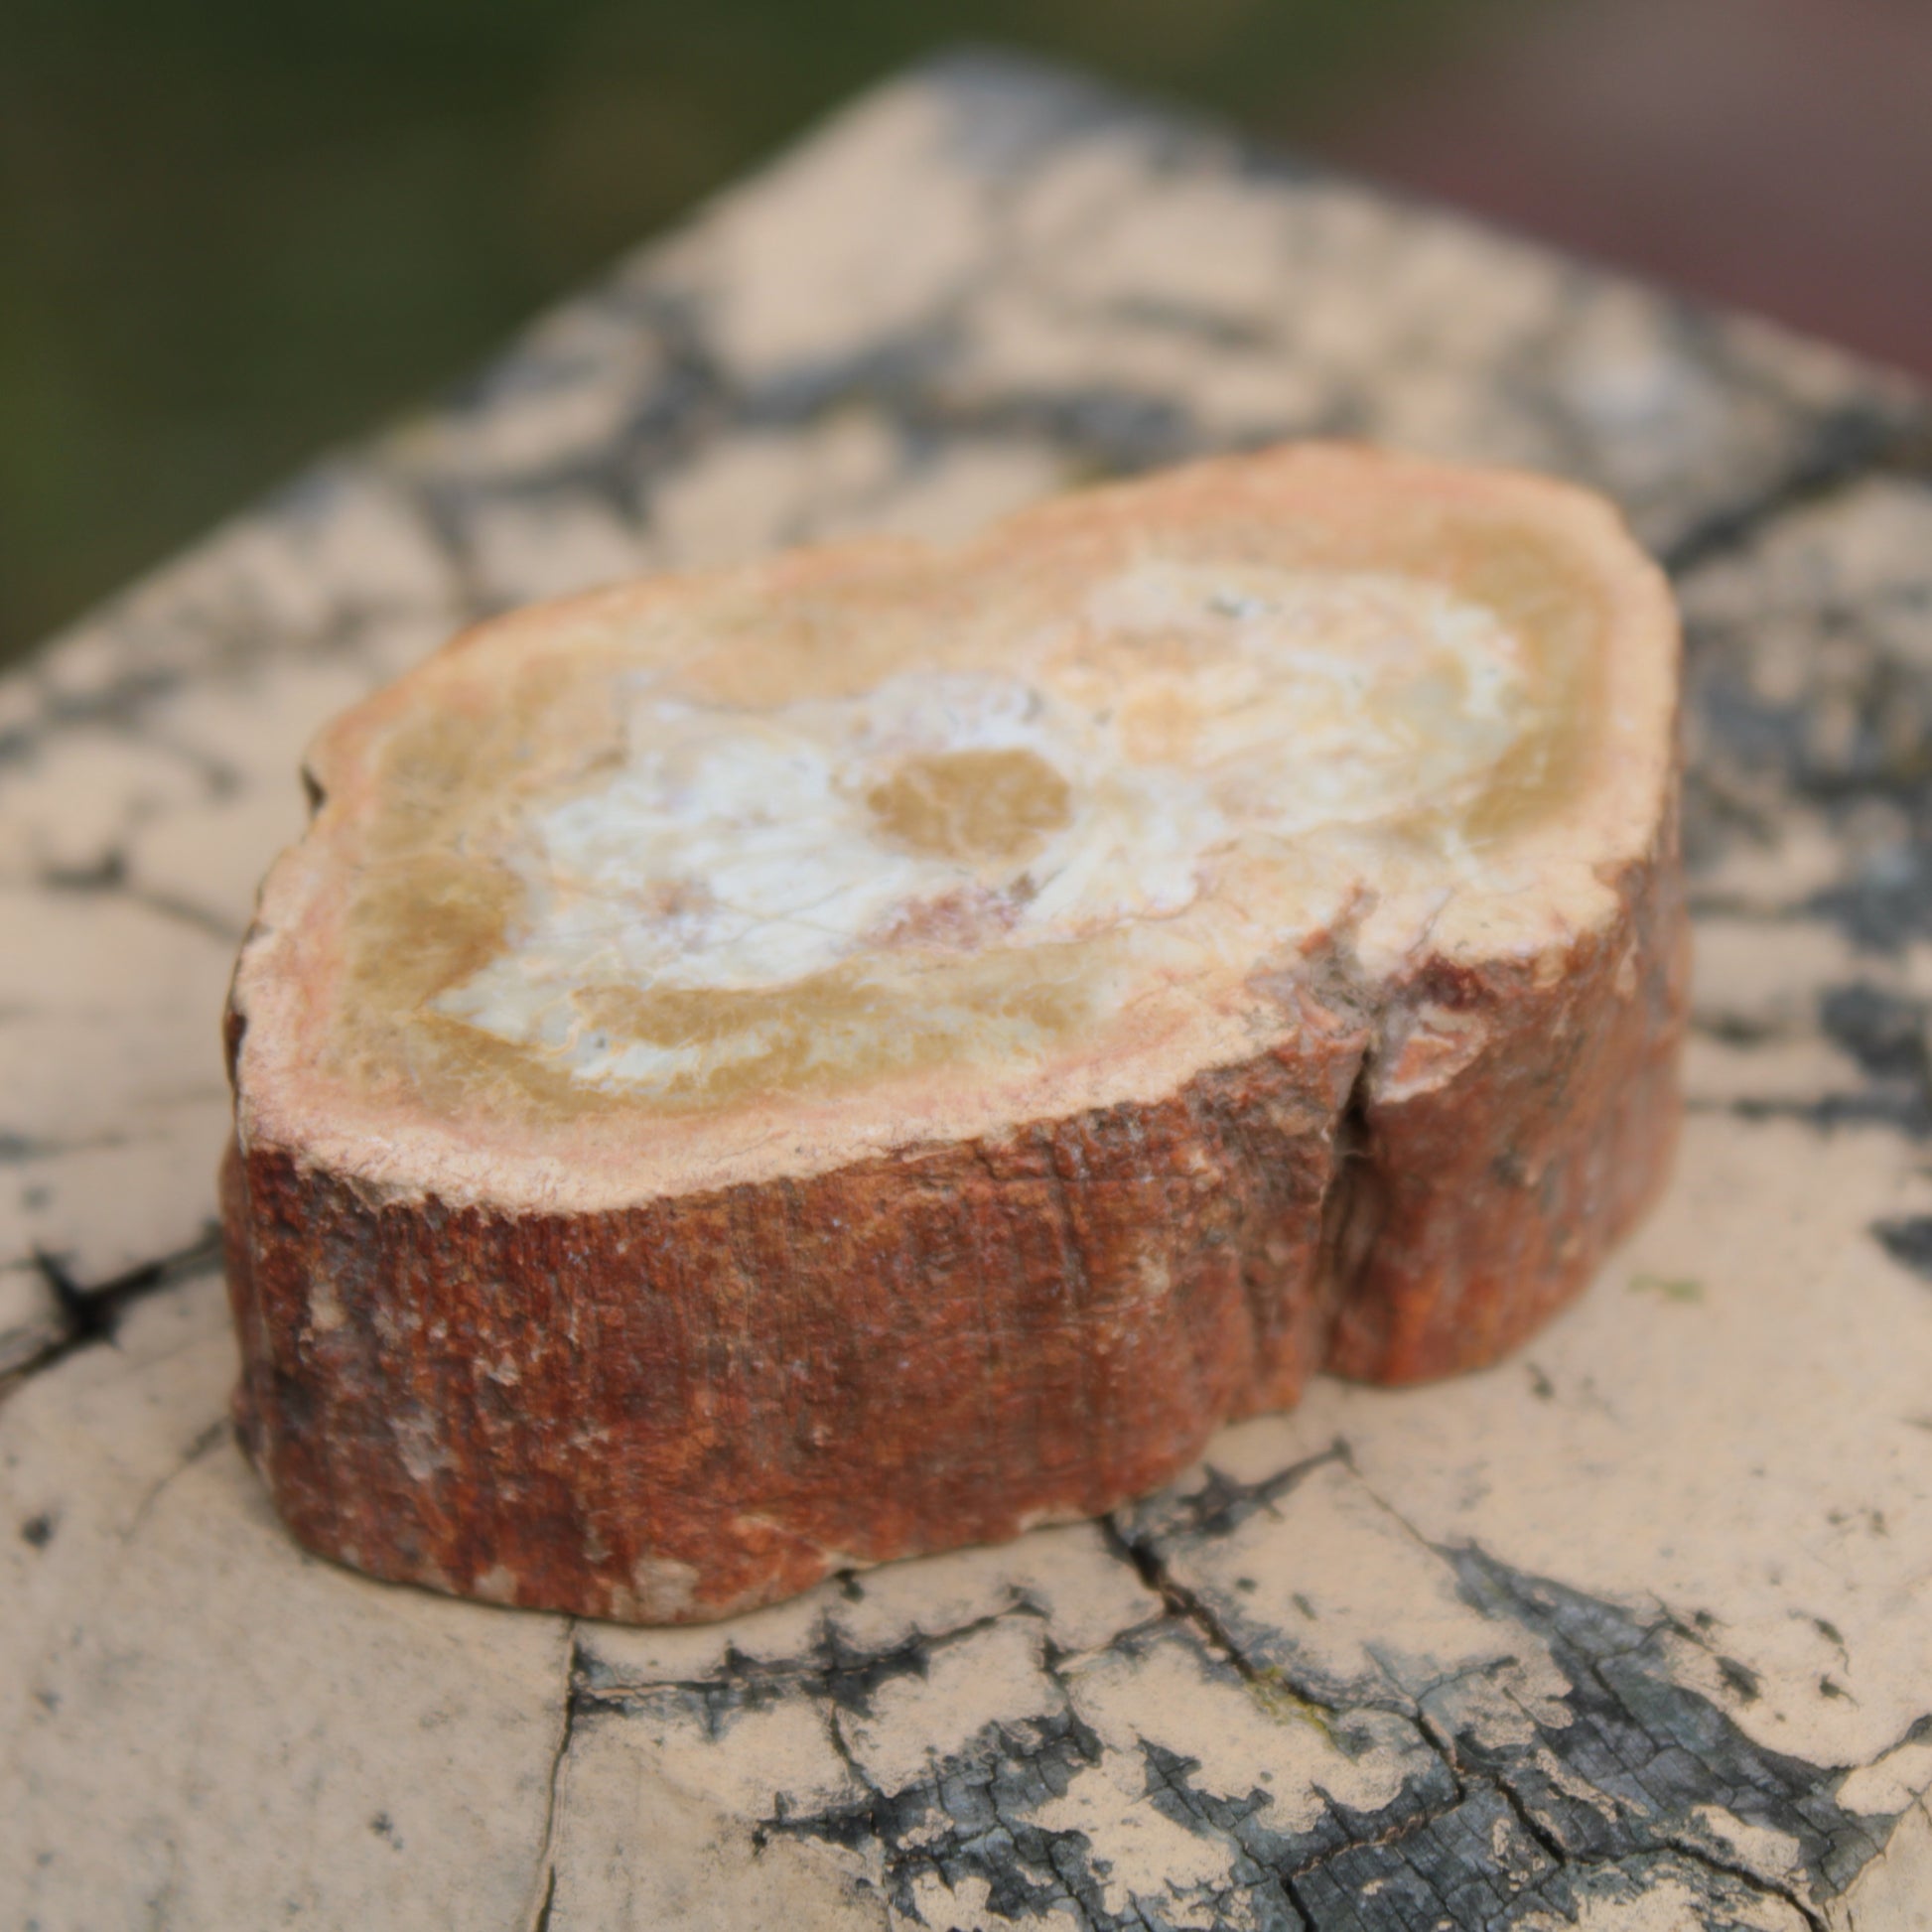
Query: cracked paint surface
[[1630, 1633]]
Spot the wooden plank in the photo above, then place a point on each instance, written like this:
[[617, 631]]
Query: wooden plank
[[1633, 1632]]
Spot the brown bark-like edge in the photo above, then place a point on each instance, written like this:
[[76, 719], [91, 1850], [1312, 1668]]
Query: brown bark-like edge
[[696, 1405], [682, 1409], [1490, 1197]]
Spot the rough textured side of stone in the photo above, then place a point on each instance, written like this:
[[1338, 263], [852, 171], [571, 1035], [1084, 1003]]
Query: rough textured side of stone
[[1478, 1203], [704, 1403]]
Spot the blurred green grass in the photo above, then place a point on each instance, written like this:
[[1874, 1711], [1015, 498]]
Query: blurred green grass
[[232, 232]]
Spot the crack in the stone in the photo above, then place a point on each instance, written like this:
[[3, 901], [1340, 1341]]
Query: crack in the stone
[[1754, 1882], [1850, 445], [1221, 1503], [228, 647], [985, 1794], [16, 1150], [1761, 1787], [972, 1780], [1190, 1608], [1540, 1834], [209, 1440], [110, 878], [544, 1888], [843, 1674], [92, 1313], [1823, 1115], [1469, 1778]]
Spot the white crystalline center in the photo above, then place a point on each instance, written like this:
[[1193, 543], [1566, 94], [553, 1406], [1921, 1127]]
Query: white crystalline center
[[1192, 710]]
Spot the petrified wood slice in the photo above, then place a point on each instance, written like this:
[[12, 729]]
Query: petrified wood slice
[[755, 1073]]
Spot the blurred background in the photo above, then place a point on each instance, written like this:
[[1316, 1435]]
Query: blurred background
[[232, 232]]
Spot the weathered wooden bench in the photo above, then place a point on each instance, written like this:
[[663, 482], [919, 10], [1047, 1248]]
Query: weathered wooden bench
[[1634, 1631]]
